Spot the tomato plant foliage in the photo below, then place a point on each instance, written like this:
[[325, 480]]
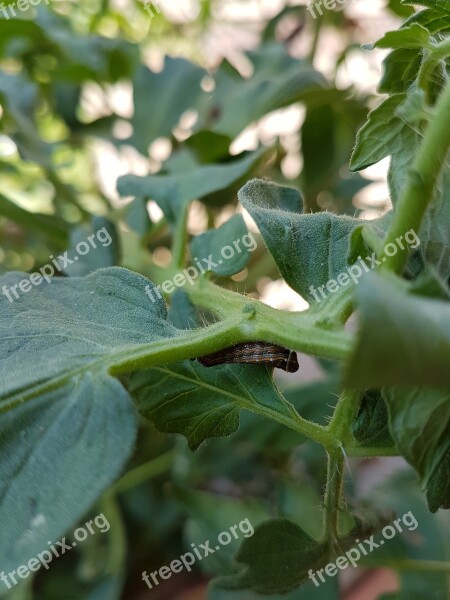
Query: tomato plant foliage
[[85, 358]]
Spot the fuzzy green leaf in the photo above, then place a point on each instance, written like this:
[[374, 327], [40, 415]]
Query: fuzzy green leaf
[[414, 36], [174, 190], [277, 557], [60, 451], [419, 421], [391, 352], [309, 249], [214, 243], [201, 402]]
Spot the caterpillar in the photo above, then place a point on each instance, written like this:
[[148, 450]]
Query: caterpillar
[[253, 353]]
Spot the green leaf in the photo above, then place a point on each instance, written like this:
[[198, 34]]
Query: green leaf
[[414, 36], [60, 451], [426, 541], [49, 227], [215, 241], [378, 138], [371, 427], [302, 504], [435, 233], [84, 57], [389, 352], [183, 313], [277, 557], [67, 426], [400, 69], [318, 131], [438, 489], [209, 147], [419, 421], [173, 191], [92, 248], [19, 98], [434, 19], [278, 80], [161, 98], [443, 5], [399, 8], [201, 402], [309, 249], [313, 401], [72, 326], [210, 515], [137, 217], [406, 145], [414, 111]]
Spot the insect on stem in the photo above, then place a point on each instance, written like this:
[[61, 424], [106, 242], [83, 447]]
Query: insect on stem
[[253, 353]]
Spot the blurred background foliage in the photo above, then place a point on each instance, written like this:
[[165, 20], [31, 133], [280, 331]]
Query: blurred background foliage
[[197, 96]]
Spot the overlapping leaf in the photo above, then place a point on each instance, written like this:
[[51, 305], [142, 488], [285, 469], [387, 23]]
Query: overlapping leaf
[[390, 351], [213, 242], [277, 557], [419, 421], [309, 249], [174, 190], [201, 402]]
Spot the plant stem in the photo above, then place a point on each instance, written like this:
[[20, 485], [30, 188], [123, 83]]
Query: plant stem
[[344, 415], [314, 432], [118, 545], [180, 239], [301, 331], [144, 472], [333, 495], [430, 62], [421, 182], [317, 25], [369, 451]]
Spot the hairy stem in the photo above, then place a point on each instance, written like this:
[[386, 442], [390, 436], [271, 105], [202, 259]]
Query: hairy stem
[[435, 55], [333, 497], [421, 182], [344, 415], [300, 331]]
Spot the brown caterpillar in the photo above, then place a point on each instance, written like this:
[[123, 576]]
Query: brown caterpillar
[[254, 353]]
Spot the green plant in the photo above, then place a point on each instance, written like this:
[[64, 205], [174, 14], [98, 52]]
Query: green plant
[[97, 348]]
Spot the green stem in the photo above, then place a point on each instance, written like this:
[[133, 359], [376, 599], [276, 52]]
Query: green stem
[[118, 544], [194, 343], [144, 472], [300, 331], [180, 239], [297, 423], [317, 25], [369, 451], [435, 55], [421, 182], [333, 496], [344, 415]]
